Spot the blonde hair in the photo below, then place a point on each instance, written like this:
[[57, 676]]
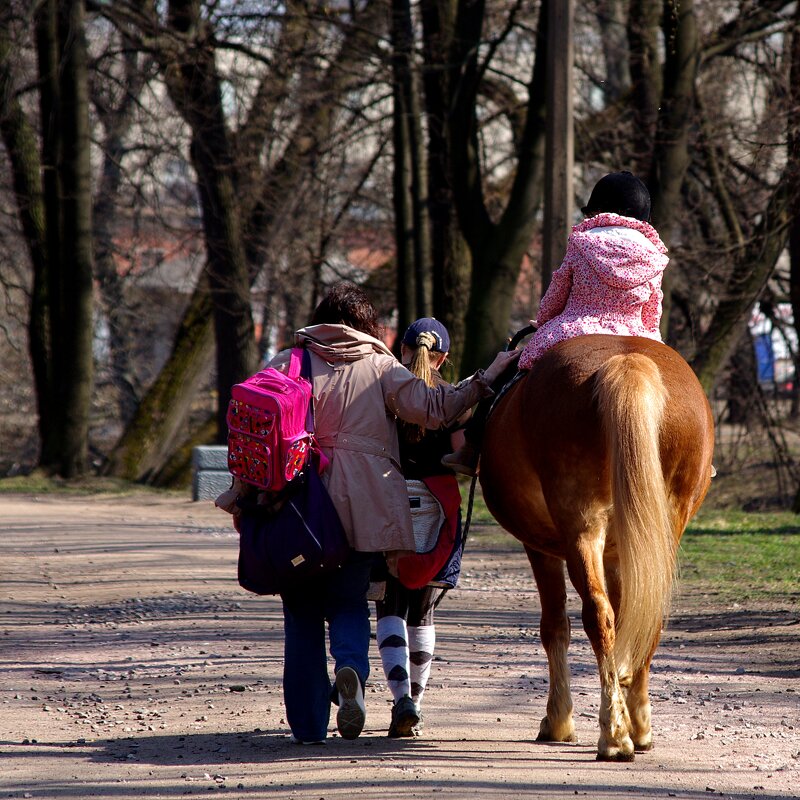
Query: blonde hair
[[421, 365]]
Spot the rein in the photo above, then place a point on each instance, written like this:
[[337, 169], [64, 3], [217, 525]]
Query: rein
[[470, 502], [511, 345]]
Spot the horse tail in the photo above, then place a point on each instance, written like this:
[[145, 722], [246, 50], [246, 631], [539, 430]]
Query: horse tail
[[631, 398]]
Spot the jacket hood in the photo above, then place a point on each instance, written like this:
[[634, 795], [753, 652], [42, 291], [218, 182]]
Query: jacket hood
[[623, 252], [339, 342]]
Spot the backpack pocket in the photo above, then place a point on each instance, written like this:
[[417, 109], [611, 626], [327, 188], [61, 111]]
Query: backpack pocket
[[249, 419], [250, 459]]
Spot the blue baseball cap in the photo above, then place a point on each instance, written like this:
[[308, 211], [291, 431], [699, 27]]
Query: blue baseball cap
[[428, 325]]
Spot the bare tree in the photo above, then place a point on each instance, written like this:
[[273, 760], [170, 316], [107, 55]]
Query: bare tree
[[412, 231], [497, 237], [55, 211], [246, 199]]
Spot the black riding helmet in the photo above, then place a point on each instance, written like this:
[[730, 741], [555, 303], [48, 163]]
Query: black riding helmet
[[619, 193]]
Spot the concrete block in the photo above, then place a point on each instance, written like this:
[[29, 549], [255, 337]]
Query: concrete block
[[208, 484], [211, 456]]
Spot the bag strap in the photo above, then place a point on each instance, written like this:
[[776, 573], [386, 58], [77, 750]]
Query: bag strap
[[295, 363], [304, 371], [303, 359]]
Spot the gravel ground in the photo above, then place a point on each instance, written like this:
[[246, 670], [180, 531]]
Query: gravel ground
[[133, 666]]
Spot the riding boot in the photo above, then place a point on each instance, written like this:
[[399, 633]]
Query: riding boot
[[465, 460]]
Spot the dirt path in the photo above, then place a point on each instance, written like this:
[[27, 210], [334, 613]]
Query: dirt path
[[132, 665]]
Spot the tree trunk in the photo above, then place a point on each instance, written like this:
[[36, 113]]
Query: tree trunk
[[159, 424], [450, 254], [646, 79], [409, 190], [72, 337], [402, 176], [55, 212], [672, 155], [194, 87], [753, 267], [497, 249], [793, 178], [741, 377], [611, 20], [46, 315], [21, 145]]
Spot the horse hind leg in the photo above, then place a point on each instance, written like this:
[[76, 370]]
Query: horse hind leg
[[635, 685], [638, 702], [558, 724], [585, 564]]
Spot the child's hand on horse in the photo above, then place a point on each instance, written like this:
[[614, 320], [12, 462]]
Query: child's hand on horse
[[501, 362]]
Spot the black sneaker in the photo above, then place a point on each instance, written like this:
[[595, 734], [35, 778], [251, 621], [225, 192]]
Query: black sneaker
[[404, 717]]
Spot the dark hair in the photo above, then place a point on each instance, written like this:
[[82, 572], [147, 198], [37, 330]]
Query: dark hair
[[619, 193], [348, 304]]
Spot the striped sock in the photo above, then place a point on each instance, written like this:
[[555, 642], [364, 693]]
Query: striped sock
[[422, 641], [393, 647]]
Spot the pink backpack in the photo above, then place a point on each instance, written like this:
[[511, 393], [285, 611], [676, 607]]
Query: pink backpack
[[268, 437]]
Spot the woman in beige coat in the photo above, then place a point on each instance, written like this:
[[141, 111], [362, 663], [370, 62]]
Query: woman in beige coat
[[360, 389]]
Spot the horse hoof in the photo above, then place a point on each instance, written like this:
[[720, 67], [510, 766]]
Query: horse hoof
[[644, 747], [615, 756], [561, 733], [544, 737]]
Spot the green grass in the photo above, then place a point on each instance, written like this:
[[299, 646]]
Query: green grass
[[740, 556], [39, 483], [732, 555], [480, 514]]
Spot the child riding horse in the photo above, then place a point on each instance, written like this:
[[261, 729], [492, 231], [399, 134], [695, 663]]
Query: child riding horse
[[609, 282], [599, 457]]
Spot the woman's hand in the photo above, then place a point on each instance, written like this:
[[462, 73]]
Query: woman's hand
[[502, 361]]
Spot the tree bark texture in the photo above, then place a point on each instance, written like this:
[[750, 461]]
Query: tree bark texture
[[612, 23], [646, 79], [559, 138], [402, 173], [672, 156], [409, 189], [159, 425], [497, 248], [56, 216], [47, 50], [451, 259], [73, 336], [22, 147], [266, 195], [194, 86]]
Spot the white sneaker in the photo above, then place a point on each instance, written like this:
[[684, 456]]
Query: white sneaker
[[352, 714], [294, 740]]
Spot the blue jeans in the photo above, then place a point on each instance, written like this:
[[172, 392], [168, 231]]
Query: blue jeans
[[339, 598]]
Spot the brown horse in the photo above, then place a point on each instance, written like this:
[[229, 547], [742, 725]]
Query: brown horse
[[599, 457]]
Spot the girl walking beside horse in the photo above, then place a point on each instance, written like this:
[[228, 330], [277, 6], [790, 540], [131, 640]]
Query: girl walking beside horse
[[405, 615]]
